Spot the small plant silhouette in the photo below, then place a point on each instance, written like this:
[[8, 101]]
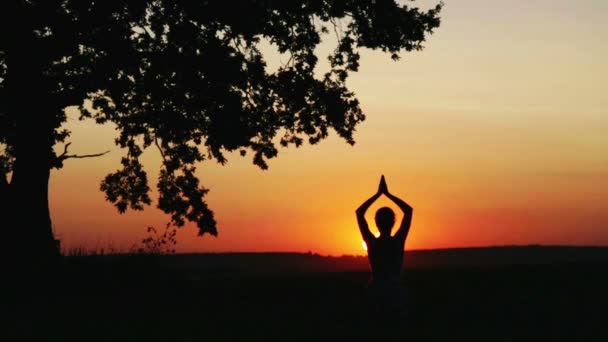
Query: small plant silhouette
[[158, 242]]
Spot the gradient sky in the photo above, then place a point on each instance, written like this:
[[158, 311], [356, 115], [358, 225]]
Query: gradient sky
[[496, 134]]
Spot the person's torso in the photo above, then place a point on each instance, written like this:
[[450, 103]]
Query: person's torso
[[386, 258]]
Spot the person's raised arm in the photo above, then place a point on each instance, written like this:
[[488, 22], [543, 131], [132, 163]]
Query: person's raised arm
[[407, 215], [363, 227]]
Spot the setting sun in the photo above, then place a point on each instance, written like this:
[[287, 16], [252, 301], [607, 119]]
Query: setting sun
[[364, 245]]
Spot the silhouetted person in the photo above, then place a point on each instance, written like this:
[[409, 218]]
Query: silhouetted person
[[385, 252]]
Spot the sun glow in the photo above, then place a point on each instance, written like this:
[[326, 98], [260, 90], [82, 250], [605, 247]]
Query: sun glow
[[364, 245]]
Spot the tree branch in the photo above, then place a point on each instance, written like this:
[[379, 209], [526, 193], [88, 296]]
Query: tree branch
[[65, 154], [85, 155], [160, 149], [335, 26], [65, 151]]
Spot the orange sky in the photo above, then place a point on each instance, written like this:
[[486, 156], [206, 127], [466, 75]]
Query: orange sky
[[496, 134]]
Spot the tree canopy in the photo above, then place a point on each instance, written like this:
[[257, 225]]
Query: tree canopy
[[189, 78]]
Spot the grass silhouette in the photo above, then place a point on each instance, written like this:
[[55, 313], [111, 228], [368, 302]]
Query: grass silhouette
[[98, 296]]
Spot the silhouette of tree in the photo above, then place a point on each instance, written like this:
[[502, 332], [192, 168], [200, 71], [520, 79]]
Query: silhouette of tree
[[185, 77]]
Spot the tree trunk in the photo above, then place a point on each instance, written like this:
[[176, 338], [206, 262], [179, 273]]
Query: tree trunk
[[29, 191], [30, 186], [30, 101]]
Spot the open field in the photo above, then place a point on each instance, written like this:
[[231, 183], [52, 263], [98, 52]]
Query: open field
[[166, 298]]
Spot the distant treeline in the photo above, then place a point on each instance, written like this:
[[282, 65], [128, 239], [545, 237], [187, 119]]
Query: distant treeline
[[437, 258]]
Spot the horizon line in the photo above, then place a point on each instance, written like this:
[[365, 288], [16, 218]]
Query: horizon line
[[534, 245]]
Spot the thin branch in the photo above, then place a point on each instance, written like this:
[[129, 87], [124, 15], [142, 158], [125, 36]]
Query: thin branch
[[237, 45], [335, 26], [65, 151], [85, 155], [160, 149], [290, 58], [65, 154]]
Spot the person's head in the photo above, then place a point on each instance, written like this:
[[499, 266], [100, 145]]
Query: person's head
[[385, 219]]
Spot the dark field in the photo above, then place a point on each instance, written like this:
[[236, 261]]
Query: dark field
[[145, 298]]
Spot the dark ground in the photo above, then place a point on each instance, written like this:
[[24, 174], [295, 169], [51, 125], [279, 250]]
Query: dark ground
[[143, 298]]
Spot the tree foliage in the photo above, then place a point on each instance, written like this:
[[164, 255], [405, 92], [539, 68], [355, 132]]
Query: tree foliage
[[189, 78]]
